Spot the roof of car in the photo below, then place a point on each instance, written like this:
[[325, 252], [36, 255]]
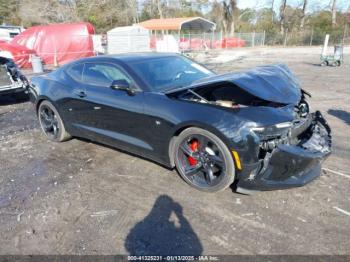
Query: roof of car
[[129, 57]]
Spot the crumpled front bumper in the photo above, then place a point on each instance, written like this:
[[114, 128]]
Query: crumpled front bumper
[[290, 165]]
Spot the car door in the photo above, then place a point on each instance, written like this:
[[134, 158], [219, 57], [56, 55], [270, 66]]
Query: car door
[[72, 104], [114, 116]]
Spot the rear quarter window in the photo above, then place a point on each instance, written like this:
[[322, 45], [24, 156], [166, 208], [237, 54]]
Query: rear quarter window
[[76, 72], [103, 74]]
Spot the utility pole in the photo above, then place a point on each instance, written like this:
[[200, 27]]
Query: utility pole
[[344, 35], [285, 37], [312, 36]]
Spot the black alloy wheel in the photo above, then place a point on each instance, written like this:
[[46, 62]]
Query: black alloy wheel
[[203, 160], [51, 122]]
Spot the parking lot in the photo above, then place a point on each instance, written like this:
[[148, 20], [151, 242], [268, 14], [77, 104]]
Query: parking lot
[[84, 198]]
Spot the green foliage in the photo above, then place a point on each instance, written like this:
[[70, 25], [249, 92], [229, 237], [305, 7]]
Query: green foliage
[[107, 14], [92, 19], [8, 11], [321, 21]]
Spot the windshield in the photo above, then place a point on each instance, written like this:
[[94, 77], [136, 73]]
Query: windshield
[[166, 73]]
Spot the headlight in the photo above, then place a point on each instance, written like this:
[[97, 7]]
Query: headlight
[[268, 132], [283, 125], [303, 108]]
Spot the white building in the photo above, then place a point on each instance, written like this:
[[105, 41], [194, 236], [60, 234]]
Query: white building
[[128, 39]]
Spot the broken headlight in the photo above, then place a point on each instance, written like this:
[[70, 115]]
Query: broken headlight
[[271, 136], [303, 108], [274, 130]]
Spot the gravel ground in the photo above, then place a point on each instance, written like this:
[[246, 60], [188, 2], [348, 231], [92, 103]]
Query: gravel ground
[[82, 198]]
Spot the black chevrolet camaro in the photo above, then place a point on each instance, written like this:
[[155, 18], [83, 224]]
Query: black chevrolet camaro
[[252, 129]]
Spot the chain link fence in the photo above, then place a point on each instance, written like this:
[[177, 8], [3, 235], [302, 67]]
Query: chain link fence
[[307, 37], [187, 42], [193, 42]]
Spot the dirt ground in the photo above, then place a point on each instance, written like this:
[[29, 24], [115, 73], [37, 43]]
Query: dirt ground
[[82, 198]]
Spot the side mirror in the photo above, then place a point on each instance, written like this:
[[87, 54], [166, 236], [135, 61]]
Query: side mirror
[[122, 85]]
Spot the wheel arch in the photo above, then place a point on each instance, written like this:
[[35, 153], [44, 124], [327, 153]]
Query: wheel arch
[[172, 143], [45, 98], [39, 101], [179, 129]]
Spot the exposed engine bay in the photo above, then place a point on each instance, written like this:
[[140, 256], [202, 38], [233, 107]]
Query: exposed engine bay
[[225, 95], [230, 96]]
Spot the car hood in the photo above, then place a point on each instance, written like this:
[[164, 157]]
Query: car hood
[[274, 83]]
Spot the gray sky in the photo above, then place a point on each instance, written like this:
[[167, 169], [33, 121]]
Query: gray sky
[[313, 5]]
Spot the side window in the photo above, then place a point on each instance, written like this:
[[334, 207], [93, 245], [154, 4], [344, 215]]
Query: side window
[[76, 72], [103, 74]]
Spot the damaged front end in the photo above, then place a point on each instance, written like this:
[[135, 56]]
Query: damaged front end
[[11, 79], [289, 158], [288, 142]]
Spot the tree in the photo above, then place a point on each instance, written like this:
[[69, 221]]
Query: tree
[[159, 8], [302, 19], [233, 5], [45, 12], [334, 13], [282, 15], [9, 11], [228, 16], [216, 14], [106, 14]]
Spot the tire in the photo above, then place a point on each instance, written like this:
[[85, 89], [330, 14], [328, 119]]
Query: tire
[[51, 123], [209, 167], [324, 63]]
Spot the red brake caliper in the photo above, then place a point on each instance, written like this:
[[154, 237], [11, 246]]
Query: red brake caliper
[[194, 148]]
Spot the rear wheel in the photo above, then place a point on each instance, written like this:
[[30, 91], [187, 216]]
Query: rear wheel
[[203, 160], [51, 122]]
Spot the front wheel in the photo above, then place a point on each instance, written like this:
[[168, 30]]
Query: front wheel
[[324, 63], [203, 160], [51, 122]]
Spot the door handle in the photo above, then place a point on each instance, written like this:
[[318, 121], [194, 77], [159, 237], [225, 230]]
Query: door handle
[[81, 93]]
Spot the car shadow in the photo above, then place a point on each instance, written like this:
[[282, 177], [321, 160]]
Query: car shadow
[[86, 140], [164, 231], [313, 64], [341, 114], [11, 99], [233, 186]]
